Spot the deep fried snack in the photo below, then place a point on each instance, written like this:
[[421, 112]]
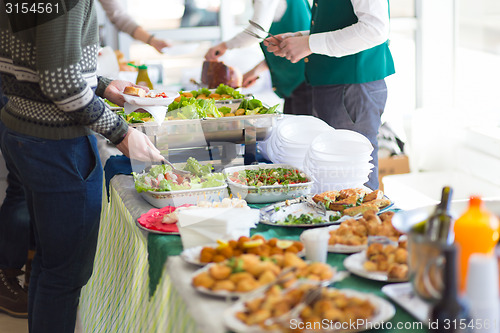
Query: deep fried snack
[[219, 271], [203, 280]]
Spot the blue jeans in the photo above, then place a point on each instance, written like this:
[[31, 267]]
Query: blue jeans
[[63, 184], [356, 107], [15, 222]]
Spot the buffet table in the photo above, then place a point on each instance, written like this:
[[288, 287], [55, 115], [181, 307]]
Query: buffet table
[[140, 284]]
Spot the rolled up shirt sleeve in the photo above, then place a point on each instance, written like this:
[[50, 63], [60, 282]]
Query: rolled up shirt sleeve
[[372, 29]]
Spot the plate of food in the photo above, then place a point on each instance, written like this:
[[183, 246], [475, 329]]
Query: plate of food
[[354, 201], [257, 244], [238, 276], [140, 97], [300, 212], [271, 311], [352, 235], [387, 263]]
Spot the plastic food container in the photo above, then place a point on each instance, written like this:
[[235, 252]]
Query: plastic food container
[[179, 198], [270, 193]]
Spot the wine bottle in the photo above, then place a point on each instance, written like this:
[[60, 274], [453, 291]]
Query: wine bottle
[[438, 224], [449, 314]]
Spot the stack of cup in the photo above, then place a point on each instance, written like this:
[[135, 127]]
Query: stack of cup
[[482, 292], [338, 159]]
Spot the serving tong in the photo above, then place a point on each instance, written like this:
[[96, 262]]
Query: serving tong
[[259, 27], [176, 171]]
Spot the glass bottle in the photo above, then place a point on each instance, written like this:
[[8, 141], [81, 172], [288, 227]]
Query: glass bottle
[[143, 77], [438, 224]]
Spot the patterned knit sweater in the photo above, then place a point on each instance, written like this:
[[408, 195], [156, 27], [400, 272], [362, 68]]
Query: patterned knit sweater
[[48, 68]]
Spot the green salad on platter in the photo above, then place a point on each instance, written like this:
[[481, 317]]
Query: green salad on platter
[[161, 178]]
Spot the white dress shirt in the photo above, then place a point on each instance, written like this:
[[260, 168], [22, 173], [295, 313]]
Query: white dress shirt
[[372, 29]]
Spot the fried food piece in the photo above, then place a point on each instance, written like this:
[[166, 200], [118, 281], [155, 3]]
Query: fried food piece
[[374, 195], [267, 277], [219, 271], [381, 202], [370, 266], [247, 285], [237, 277], [398, 271], [353, 211], [401, 255], [226, 251], [224, 285], [203, 280], [218, 258], [292, 260], [207, 254]]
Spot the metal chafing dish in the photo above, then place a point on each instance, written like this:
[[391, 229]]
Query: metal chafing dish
[[188, 133]]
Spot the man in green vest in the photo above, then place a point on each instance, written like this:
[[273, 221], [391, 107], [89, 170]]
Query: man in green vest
[[347, 57], [288, 78]]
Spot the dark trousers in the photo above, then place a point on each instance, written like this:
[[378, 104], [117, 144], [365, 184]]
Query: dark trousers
[[300, 101], [356, 107]]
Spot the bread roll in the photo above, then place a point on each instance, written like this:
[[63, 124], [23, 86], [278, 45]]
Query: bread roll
[[133, 91]]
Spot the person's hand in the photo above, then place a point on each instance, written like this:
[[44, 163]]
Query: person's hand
[[114, 91], [249, 78], [216, 51], [137, 146], [159, 44], [292, 46]]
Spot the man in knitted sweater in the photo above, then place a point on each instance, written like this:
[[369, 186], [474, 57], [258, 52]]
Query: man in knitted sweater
[[48, 71]]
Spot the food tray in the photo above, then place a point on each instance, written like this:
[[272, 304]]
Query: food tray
[[198, 132], [266, 194], [179, 198]]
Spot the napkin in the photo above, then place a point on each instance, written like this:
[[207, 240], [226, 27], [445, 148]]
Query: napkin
[[158, 112], [204, 226]]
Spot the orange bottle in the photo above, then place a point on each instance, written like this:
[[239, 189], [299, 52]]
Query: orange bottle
[[476, 231]]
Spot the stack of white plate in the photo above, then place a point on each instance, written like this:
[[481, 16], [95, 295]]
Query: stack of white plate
[[338, 159], [290, 140]]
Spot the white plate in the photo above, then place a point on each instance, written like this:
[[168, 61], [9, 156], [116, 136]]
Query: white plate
[[403, 294], [354, 264], [384, 312], [192, 255], [148, 101]]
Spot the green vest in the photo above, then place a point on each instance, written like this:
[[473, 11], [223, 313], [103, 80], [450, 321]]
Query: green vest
[[286, 76], [366, 66]]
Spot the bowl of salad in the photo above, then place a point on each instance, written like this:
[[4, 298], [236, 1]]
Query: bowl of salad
[[161, 186], [266, 183]]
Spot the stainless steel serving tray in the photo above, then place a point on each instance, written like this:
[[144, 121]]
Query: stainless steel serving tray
[[198, 132]]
